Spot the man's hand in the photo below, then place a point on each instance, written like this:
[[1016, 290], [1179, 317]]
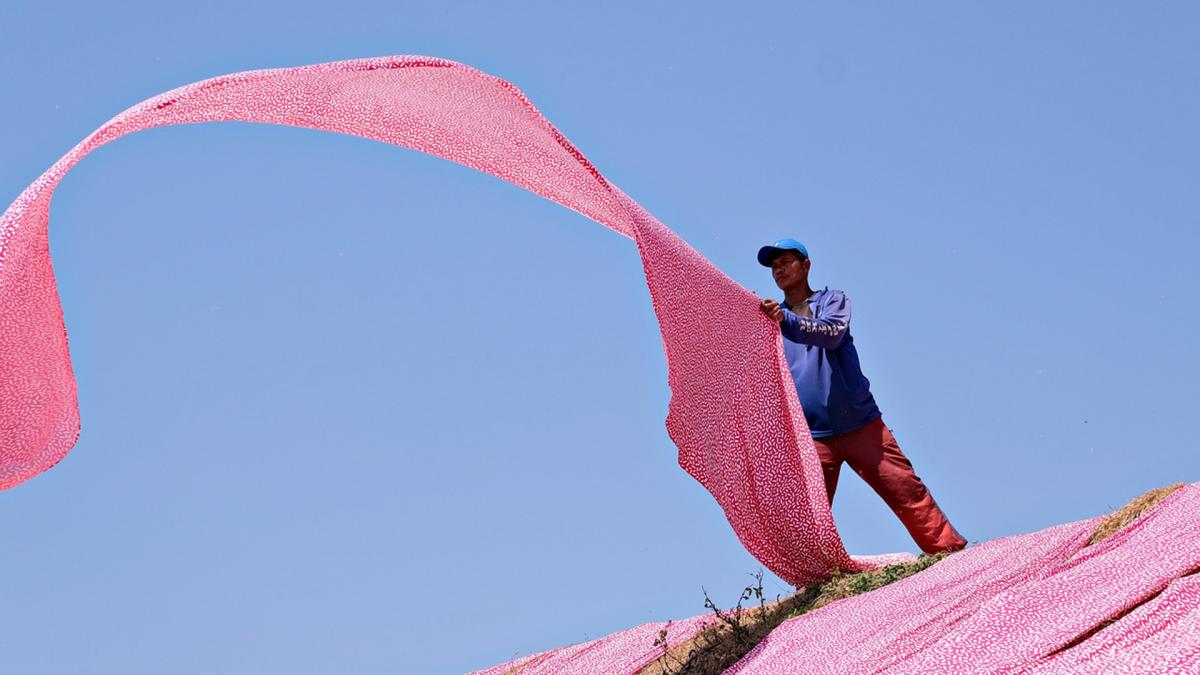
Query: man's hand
[[772, 309]]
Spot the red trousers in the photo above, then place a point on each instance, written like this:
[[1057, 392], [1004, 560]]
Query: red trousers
[[873, 453]]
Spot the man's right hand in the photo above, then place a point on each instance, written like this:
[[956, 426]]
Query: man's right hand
[[772, 309]]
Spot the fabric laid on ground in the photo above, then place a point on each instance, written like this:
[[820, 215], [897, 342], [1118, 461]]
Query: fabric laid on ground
[[734, 413], [875, 631], [1045, 602], [1014, 604], [1161, 636], [1099, 583], [622, 653]]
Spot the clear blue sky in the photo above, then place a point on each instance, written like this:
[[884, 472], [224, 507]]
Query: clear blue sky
[[351, 409]]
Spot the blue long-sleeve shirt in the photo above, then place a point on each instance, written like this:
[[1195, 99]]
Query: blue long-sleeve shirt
[[820, 352]]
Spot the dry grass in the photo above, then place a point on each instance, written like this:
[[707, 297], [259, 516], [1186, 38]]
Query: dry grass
[[720, 646], [1130, 512], [841, 587], [716, 649]]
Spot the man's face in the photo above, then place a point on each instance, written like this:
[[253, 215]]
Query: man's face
[[789, 270]]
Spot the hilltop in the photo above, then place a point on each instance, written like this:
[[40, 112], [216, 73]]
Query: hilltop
[[1019, 603]]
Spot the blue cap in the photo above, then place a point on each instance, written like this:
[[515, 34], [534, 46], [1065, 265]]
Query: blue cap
[[768, 253]]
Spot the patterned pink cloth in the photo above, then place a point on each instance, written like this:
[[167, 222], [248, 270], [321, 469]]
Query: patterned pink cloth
[[1011, 605], [1033, 603], [620, 653], [876, 631], [1019, 603], [733, 414], [1161, 636], [1099, 583]]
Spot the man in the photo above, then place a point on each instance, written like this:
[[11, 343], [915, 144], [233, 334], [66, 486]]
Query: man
[[846, 424]]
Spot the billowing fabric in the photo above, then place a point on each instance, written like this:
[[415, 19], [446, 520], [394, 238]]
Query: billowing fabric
[[622, 653], [733, 412], [1028, 602]]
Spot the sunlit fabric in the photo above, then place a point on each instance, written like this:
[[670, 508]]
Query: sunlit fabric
[[1046, 602], [1163, 636], [627, 651], [1041, 601], [733, 413]]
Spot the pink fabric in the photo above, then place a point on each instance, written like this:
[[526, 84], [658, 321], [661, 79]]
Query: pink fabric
[[1099, 583], [876, 631], [1161, 636], [1015, 604], [733, 412], [621, 653], [1024, 604], [1005, 606]]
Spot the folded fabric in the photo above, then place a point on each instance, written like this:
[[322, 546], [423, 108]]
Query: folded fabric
[[1160, 636]]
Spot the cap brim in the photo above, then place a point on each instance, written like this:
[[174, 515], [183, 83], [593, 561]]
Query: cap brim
[[766, 253]]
